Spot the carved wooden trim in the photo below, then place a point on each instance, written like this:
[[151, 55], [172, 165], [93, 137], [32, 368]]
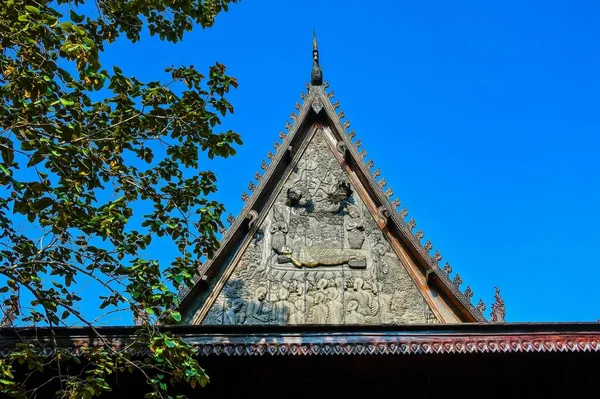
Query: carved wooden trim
[[318, 341]]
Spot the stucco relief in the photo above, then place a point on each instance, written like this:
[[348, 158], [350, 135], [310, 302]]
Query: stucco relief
[[319, 258]]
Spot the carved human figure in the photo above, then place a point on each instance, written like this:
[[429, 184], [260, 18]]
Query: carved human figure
[[352, 315], [318, 313], [355, 227], [322, 284], [283, 308], [334, 305], [298, 316], [257, 311], [368, 304], [234, 313], [279, 229], [318, 256]]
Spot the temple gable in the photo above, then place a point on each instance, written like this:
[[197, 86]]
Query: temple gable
[[320, 240], [318, 257]]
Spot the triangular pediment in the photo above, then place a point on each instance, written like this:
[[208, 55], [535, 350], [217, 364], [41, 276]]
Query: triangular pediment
[[320, 242]]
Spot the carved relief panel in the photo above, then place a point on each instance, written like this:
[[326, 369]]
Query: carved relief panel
[[319, 258]]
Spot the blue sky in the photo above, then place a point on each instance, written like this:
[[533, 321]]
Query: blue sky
[[483, 117]]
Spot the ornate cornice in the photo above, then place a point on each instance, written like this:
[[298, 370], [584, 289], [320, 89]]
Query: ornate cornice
[[321, 340], [404, 346]]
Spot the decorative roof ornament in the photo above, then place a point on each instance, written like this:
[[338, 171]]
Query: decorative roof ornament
[[336, 104], [498, 309], [468, 293], [264, 165], [257, 176], [396, 203], [457, 280], [481, 306], [412, 223], [428, 246], [317, 104], [351, 135], [316, 75], [437, 256], [403, 212], [370, 164], [230, 218], [419, 235], [447, 269]]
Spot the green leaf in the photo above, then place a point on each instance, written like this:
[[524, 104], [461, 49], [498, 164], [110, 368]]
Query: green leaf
[[176, 316], [66, 102], [33, 9]]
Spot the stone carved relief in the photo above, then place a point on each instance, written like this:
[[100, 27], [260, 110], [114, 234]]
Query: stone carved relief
[[319, 258]]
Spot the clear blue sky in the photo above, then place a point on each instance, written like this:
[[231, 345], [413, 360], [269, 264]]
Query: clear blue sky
[[483, 117]]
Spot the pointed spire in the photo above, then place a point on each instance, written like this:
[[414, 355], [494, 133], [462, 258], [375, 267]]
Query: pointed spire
[[316, 76]]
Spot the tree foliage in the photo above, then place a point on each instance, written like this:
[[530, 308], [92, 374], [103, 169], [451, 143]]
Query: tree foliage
[[84, 148]]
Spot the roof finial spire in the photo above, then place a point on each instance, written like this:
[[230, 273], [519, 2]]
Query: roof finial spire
[[316, 76]]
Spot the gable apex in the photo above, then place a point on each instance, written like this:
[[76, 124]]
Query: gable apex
[[317, 114]]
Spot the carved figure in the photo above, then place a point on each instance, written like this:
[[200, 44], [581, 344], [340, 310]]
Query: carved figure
[[352, 315], [318, 313], [279, 229], [297, 317], [355, 228], [316, 256], [334, 305], [234, 314], [257, 311], [283, 308], [368, 304]]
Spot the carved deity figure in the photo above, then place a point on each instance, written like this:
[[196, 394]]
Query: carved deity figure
[[257, 311], [318, 313], [317, 256], [283, 308], [355, 227], [352, 315], [279, 229]]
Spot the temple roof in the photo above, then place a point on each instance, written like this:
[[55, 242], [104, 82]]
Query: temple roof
[[317, 118]]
